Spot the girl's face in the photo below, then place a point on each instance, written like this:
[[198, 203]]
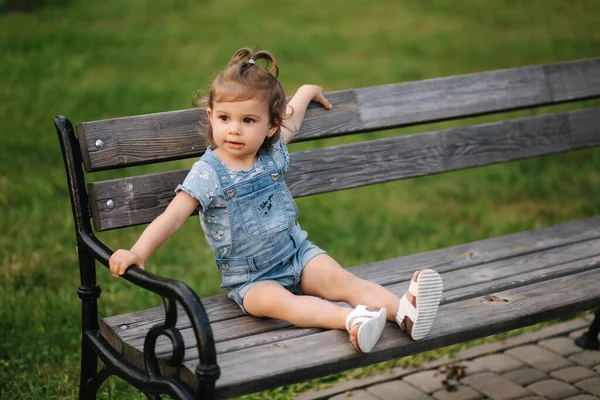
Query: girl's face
[[239, 129]]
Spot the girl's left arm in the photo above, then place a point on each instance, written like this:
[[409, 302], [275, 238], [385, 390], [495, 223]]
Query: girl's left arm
[[296, 109]]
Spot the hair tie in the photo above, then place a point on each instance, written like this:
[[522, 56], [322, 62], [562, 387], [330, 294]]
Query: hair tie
[[251, 61]]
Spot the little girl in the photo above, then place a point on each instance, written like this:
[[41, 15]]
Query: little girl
[[268, 266]]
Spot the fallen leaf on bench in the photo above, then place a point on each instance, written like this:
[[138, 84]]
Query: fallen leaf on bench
[[495, 299]]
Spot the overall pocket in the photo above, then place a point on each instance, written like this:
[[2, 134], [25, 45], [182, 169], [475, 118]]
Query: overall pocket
[[233, 275], [264, 211]]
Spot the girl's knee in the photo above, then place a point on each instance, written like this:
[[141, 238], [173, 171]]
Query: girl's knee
[[263, 299]]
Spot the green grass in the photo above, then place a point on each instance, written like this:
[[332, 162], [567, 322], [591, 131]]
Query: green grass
[[94, 60]]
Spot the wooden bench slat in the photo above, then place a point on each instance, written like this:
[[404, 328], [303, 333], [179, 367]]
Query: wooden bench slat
[[456, 288], [556, 254], [393, 271], [140, 199], [281, 335], [459, 284], [459, 289], [172, 135], [251, 369]]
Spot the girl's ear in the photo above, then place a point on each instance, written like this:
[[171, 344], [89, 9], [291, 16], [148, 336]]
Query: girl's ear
[[209, 113], [272, 131]]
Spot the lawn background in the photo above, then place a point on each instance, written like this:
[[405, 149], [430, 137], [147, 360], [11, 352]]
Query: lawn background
[[92, 60]]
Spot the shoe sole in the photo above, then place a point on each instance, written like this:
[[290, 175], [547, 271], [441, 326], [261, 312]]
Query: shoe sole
[[430, 288], [370, 331]]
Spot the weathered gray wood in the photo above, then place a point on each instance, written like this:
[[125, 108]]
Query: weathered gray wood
[[140, 199], [143, 139], [461, 293], [534, 260], [177, 134], [254, 369], [521, 279], [458, 286], [135, 140], [499, 252], [570, 81]]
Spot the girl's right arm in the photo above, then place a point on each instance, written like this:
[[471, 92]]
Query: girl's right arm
[[154, 235]]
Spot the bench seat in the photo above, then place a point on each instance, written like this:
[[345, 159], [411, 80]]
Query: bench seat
[[490, 286]]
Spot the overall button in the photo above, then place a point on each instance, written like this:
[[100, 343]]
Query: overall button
[[275, 176], [230, 192], [225, 267]]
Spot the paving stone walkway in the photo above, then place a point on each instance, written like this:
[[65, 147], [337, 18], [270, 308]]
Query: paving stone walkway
[[545, 364]]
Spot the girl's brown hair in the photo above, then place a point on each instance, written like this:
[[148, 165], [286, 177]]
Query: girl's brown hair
[[244, 79]]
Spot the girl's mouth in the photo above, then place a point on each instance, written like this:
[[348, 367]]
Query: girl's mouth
[[234, 145]]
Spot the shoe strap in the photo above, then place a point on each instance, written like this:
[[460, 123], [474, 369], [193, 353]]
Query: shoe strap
[[359, 315], [406, 309]]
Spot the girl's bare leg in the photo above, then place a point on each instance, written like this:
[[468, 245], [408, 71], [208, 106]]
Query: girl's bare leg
[[269, 299], [324, 277]]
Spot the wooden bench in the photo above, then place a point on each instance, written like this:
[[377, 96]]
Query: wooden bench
[[491, 286]]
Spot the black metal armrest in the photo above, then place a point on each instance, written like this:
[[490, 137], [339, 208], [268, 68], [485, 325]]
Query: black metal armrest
[[171, 291]]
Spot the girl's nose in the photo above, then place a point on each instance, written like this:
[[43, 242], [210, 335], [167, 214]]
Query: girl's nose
[[234, 129]]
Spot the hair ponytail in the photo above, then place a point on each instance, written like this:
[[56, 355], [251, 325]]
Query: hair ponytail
[[245, 55]]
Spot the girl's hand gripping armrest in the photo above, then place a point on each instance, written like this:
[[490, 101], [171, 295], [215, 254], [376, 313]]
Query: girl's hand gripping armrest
[[180, 208]]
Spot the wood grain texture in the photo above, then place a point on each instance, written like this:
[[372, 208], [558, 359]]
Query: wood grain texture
[[472, 270], [247, 332], [140, 199], [254, 369], [398, 270], [459, 284], [159, 137], [179, 134]]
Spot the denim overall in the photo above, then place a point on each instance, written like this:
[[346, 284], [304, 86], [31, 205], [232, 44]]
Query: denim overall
[[266, 242]]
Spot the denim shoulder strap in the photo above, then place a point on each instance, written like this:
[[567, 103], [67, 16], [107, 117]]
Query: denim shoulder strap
[[268, 161], [220, 169]]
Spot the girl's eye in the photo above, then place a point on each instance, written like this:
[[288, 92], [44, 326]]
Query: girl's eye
[[248, 120], [224, 118]]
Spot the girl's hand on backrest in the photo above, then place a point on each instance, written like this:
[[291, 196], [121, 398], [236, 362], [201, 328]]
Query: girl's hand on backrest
[[315, 93], [123, 259], [297, 109]]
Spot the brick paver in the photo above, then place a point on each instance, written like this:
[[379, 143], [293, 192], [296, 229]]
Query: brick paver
[[592, 385], [355, 395], [587, 358], [539, 358], [499, 363], [563, 346], [395, 390], [553, 389], [496, 387], [525, 376], [573, 374], [461, 393], [578, 333], [428, 381], [472, 367], [538, 365], [534, 398]]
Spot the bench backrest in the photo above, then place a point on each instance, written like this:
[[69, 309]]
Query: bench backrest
[[124, 142]]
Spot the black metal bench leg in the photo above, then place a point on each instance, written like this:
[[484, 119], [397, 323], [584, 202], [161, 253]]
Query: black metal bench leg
[[589, 340], [88, 293], [89, 366]]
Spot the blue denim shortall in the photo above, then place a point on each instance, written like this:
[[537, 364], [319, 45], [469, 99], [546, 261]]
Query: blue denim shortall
[[267, 244]]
